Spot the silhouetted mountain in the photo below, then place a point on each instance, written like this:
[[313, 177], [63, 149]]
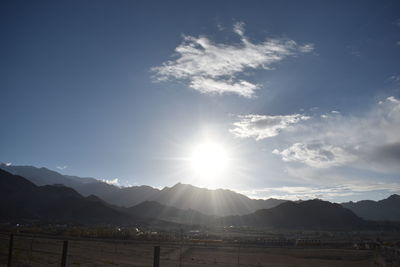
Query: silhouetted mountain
[[130, 196], [126, 197], [44, 176], [154, 210], [383, 210], [311, 214], [97, 188], [218, 202], [22, 200]]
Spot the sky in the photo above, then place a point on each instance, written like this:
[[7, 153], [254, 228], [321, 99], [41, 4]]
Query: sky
[[301, 97]]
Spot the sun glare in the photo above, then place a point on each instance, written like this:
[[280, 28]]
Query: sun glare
[[209, 160]]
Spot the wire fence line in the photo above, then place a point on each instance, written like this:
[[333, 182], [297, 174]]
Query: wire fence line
[[48, 251], [57, 251]]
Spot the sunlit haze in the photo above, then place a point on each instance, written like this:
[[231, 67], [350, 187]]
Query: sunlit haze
[[209, 161]]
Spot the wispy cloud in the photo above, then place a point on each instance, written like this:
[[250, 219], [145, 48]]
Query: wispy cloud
[[263, 126], [353, 50], [370, 141], [323, 192], [395, 78], [213, 68], [112, 182], [62, 167]]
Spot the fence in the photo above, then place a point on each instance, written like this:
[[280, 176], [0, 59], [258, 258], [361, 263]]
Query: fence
[[24, 250], [34, 251], [391, 255]]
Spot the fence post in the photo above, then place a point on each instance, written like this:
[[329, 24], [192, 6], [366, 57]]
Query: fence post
[[10, 250], [238, 256], [156, 262], [180, 248], [64, 254], [31, 250]]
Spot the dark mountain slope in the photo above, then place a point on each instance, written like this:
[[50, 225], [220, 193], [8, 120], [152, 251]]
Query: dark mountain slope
[[22, 200], [310, 214], [130, 196], [154, 210], [219, 202], [126, 197], [383, 210], [44, 176]]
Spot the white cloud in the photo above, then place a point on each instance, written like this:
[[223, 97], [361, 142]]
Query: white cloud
[[393, 100], [206, 85], [238, 28], [211, 67], [330, 115], [264, 126], [316, 155], [395, 78], [370, 141], [62, 167], [112, 182], [220, 27]]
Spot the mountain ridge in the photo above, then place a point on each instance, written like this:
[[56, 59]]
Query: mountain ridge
[[310, 214], [385, 209], [226, 202], [20, 199], [210, 202]]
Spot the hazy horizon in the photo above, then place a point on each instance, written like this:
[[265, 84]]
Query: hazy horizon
[[248, 194]]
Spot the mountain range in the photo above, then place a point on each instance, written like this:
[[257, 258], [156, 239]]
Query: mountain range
[[155, 210], [21, 200], [33, 195], [311, 214], [383, 210], [220, 202]]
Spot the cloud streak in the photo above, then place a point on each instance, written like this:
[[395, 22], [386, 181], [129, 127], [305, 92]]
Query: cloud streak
[[325, 192], [62, 167], [264, 126], [214, 68], [111, 182]]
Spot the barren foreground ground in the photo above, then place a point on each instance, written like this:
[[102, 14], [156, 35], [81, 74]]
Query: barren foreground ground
[[47, 252]]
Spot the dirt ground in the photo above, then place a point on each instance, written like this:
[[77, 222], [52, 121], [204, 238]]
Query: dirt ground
[[47, 252]]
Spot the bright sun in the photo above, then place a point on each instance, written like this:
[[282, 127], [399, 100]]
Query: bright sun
[[209, 160]]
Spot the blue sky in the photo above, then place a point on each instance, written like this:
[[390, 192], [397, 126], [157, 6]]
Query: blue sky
[[302, 95]]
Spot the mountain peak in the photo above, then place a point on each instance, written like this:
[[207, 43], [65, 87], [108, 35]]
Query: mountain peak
[[394, 197]]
